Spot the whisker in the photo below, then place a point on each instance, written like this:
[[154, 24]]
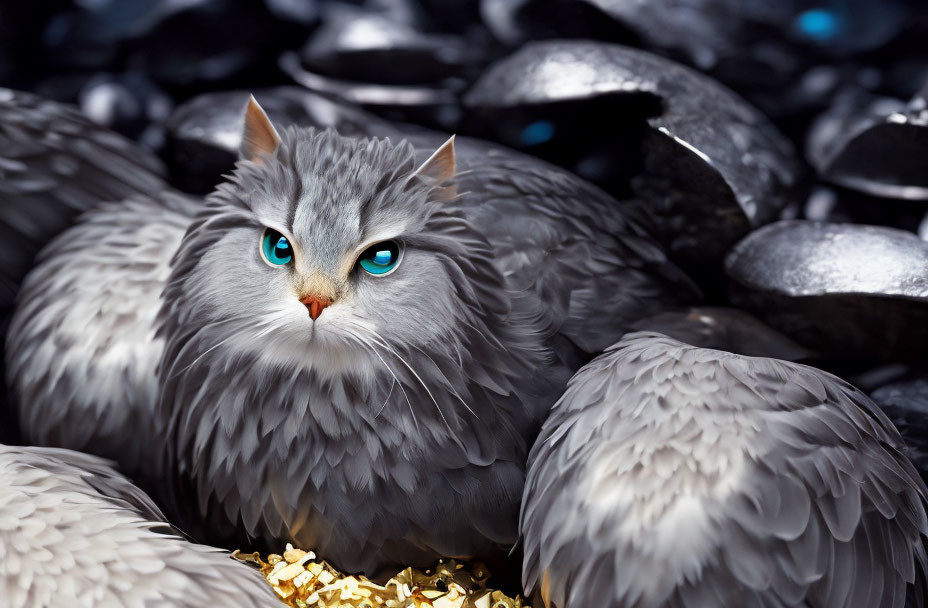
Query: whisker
[[235, 334], [396, 380], [451, 386], [382, 407], [385, 345], [393, 382], [203, 354]]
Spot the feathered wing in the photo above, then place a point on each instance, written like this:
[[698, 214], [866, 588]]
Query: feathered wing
[[75, 532], [82, 348], [836, 480], [54, 164], [675, 476]]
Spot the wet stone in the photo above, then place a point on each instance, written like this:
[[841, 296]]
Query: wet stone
[[842, 205], [129, 104], [434, 105], [710, 166], [850, 292], [873, 144], [174, 43], [514, 22], [357, 45], [768, 51], [712, 31]]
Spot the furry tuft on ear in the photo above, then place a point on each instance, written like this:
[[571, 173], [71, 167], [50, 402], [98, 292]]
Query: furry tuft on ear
[[259, 136], [440, 168]]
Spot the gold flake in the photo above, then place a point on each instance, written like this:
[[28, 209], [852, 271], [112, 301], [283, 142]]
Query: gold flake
[[302, 582], [326, 577], [287, 573], [303, 578], [293, 555]]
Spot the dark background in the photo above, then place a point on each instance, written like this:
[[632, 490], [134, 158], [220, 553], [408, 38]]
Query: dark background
[[129, 63]]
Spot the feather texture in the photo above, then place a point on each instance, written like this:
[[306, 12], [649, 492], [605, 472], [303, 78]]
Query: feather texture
[[54, 164], [427, 383], [82, 349], [74, 532], [673, 476]]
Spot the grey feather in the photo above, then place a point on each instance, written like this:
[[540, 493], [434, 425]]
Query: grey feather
[[81, 347], [74, 532], [706, 478]]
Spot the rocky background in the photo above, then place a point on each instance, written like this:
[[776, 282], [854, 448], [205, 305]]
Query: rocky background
[[780, 148]]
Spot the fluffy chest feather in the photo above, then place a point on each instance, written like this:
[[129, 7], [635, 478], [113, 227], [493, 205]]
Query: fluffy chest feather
[[297, 457]]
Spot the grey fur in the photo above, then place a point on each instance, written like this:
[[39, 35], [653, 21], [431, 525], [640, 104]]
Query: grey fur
[[73, 532], [674, 476]]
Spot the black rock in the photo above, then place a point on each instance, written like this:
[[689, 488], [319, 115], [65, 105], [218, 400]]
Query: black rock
[[357, 45], [177, 44], [303, 12], [850, 292], [711, 167], [713, 31], [906, 404], [837, 204], [129, 104], [727, 329], [515, 22], [873, 144], [433, 105], [707, 32], [410, 13], [446, 15], [205, 133]]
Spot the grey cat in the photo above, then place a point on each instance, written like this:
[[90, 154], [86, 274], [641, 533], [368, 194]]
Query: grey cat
[[355, 353], [670, 476]]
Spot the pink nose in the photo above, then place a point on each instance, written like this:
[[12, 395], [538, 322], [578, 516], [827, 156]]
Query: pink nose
[[315, 305]]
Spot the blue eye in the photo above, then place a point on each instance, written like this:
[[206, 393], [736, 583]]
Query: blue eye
[[380, 258], [276, 248]]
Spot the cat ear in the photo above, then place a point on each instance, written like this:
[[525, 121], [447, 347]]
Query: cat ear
[[259, 137], [440, 168]]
